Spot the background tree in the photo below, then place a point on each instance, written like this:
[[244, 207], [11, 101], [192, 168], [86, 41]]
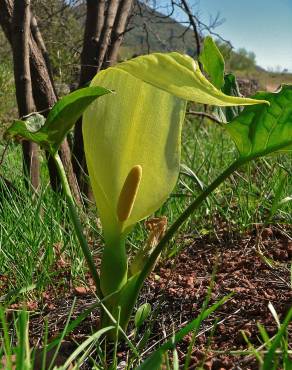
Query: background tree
[[70, 41], [104, 28], [43, 91]]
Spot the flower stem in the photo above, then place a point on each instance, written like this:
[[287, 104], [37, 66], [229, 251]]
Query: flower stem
[[129, 293], [77, 224]]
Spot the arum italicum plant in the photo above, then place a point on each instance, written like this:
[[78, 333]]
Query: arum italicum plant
[[132, 146], [132, 135]]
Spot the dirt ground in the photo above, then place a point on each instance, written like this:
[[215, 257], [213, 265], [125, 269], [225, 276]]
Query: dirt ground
[[254, 266]]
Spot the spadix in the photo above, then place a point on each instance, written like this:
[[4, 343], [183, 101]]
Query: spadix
[[128, 193]]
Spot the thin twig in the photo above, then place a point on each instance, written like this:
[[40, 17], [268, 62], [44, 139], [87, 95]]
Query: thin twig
[[194, 24], [205, 115]]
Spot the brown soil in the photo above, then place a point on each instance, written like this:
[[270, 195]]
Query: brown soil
[[254, 266]]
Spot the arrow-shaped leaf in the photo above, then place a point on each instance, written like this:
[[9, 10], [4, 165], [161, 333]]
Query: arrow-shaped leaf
[[67, 111]]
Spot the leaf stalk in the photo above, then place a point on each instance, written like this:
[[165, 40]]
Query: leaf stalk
[[184, 216], [77, 224]]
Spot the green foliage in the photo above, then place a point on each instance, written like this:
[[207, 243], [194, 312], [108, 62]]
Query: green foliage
[[19, 357], [142, 314], [214, 65], [213, 62], [155, 360], [230, 87], [276, 354], [239, 60], [31, 129], [242, 60], [271, 360], [264, 129], [51, 132]]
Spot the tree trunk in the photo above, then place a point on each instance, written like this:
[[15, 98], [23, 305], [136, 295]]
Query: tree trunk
[[20, 48], [104, 30], [93, 26], [118, 32], [42, 47], [45, 97]]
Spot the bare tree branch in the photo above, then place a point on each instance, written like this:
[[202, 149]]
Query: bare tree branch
[[193, 23], [204, 115]]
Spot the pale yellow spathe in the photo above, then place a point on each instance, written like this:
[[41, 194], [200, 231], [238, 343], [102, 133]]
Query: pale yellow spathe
[[140, 125]]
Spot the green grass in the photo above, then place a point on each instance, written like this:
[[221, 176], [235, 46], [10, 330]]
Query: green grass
[[34, 229], [32, 226], [244, 199]]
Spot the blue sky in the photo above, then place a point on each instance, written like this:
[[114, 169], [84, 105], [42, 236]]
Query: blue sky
[[262, 26]]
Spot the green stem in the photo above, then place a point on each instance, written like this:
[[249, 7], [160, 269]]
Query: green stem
[[113, 276], [77, 224], [184, 216], [114, 265]]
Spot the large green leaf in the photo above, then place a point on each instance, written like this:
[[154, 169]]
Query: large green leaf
[[263, 129], [51, 132], [213, 62]]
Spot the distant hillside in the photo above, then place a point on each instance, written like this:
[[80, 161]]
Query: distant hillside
[[153, 31]]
